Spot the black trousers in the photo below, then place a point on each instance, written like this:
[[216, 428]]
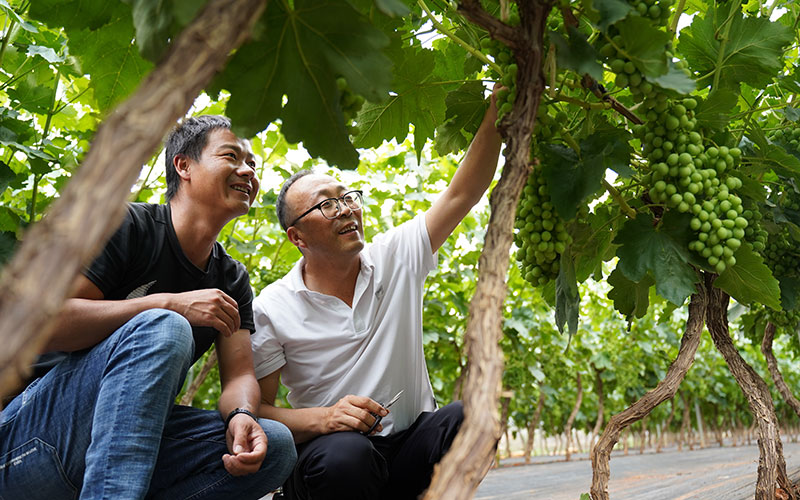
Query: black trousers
[[348, 465]]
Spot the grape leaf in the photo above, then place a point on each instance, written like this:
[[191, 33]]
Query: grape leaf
[[109, 57], [791, 114], [6, 176], [630, 298], [299, 53], [715, 111], [72, 15], [659, 251], [47, 53], [645, 45], [611, 11], [675, 79], [752, 54], [568, 300], [576, 54], [750, 281], [790, 293], [572, 179], [465, 109], [393, 8], [416, 98], [8, 243], [34, 92], [153, 20]]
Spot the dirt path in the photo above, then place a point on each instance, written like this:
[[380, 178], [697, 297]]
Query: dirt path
[[712, 473]]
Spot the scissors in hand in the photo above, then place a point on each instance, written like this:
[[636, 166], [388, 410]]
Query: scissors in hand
[[378, 418]]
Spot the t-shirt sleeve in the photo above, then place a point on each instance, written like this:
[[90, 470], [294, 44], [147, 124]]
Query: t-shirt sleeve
[[108, 269], [410, 243], [268, 354]]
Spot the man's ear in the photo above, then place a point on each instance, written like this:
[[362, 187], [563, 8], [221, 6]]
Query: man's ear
[[296, 238], [181, 164]]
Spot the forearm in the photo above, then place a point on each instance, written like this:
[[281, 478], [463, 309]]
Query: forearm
[[475, 174], [240, 392], [305, 423], [82, 323]]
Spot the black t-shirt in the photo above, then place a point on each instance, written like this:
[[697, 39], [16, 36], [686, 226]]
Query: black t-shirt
[[144, 257]]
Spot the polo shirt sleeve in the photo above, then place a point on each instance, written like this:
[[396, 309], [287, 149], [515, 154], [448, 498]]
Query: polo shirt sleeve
[[268, 353], [410, 243]]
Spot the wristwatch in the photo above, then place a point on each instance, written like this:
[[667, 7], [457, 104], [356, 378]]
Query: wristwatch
[[237, 411]]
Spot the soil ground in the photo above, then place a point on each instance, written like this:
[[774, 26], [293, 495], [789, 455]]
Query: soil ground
[[712, 473]]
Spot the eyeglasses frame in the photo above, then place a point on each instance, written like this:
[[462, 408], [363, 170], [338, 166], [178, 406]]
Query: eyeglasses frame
[[338, 200]]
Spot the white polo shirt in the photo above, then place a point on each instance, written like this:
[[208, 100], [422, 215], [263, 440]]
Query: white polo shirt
[[327, 349]]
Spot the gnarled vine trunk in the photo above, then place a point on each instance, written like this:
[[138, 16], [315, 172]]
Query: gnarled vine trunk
[[464, 466], [771, 463], [775, 373], [572, 415], [601, 453], [93, 203], [598, 389], [533, 425]]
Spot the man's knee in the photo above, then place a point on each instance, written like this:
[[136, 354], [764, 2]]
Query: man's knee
[[344, 460], [166, 333], [281, 451]]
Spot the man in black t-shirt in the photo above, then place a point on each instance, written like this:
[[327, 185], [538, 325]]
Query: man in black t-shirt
[[99, 421]]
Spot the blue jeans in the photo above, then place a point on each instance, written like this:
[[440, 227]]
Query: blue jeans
[[102, 424]]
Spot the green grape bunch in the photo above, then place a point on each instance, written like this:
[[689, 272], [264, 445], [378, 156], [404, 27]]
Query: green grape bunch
[[541, 233], [788, 136], [691, 178], [350, 105], [504, 57]]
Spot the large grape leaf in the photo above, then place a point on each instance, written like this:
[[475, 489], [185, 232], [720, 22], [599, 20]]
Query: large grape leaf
[[573, 179], [753, 52], [73, 16], [153, 20], [630, 298], [568, 300], [108, 55], [299, 53], [645, 45], [417, 97], [715, 111], [660, 251], [465, 109], [34, 91], [576, 54], [750, 281]]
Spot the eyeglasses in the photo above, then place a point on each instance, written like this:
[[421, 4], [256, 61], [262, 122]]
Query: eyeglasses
[[332, 207]]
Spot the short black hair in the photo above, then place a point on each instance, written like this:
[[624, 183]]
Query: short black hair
[[280, 204], [188, 139]]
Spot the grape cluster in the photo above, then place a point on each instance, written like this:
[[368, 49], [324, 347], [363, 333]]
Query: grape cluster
[[789, 136], [657, 10], [686, 176], [503, 56], [781, 255], [786, 320], [541, 234], [754, 234], [627, 73], [274, 273], [350, 105]]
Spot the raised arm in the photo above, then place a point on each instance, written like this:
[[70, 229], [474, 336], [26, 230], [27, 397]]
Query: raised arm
[[87, 318], [471, 180], [351, 413]]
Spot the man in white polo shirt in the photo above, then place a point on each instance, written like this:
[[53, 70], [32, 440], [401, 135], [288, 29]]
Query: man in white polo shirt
[[343, 331]]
